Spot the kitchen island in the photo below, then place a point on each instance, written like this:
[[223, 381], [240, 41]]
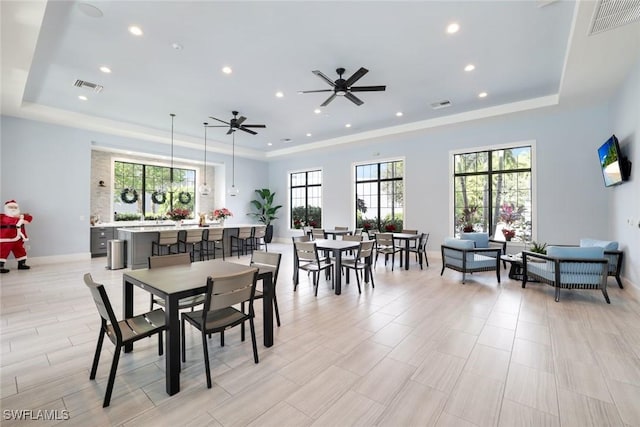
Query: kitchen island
[[138, 240]]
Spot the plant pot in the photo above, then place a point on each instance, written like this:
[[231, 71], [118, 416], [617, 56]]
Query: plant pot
[[268, 236]]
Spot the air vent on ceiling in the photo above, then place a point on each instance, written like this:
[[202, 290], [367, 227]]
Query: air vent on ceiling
[[441, 104], [88, 85], [610, 14]]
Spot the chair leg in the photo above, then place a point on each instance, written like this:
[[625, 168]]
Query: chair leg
[[619, 281], [316, 280], [606, 296], [557, 294], [96, 357], [358, 281], [182, 341], [275, 306], [205, 350], [373, 285], [242, 325], [160, 346], [253, 340], [112, 377]]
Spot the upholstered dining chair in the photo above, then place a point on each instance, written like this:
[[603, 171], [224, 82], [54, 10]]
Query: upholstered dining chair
[[219, 313], [121, 332], [183, 258]]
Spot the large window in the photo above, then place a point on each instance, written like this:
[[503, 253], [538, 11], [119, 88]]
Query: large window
[[141, 191], [492, 193], [380, 196], [306, 199]]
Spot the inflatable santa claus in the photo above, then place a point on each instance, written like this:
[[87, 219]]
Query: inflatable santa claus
[[13, 235]]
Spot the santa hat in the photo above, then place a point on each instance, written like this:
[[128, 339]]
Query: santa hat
[[10, 201]]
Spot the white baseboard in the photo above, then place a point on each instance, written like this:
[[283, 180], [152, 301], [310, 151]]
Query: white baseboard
[[54, 259]]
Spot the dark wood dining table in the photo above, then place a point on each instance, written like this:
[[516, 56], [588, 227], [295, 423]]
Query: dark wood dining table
[[177, 282], [337, 247]]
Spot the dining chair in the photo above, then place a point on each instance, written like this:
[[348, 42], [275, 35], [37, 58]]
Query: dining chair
[[421, 249], [242, 240], [190, 241], [121, 332], [172, 260], [341, 228], [361, 262], [385, 244], [166, 242], [294, 239], [219, 314], [268, 261], [351, 238], [318, 233], [212, 240], [309, 260]]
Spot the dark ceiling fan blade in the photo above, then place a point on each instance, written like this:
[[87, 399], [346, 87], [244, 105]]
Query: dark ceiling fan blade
[[217, 126], [240, 120], [351, 97], [367, 88], [253, 126], [314, 91], [230, 131], [247, 130], [324, 77], [356, 76], [331, 98], [222, 121]]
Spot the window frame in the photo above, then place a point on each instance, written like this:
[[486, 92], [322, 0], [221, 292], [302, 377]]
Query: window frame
[[290, 188], [490, 148]]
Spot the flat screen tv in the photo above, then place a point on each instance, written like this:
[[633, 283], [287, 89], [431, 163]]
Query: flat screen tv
[[615, 167]]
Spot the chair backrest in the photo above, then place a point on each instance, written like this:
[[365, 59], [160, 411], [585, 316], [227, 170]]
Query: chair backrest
[[352, 238], [259, 231], [194, 235], [303, 238], [230, 290], [481, 240], [169, 260], [103, 304], [385, 239], [341, 228], [215, 233], [366, 249], [167, 237], [267, 259], [318, 233], [244, 232], [307, 251], [357, 232], [406, 231], [424, 238]]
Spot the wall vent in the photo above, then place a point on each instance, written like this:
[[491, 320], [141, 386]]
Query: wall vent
[[88, 85], [441, 104], [610, 14]]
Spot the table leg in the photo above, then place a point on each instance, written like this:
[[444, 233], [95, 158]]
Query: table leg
[[406, 254], [172, 346], [127, 292], [337, 274], [267, 309]]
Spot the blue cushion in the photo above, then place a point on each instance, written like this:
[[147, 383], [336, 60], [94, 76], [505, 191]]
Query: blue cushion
[[593, 252], [459, 243], [608, 245], [481, 239]]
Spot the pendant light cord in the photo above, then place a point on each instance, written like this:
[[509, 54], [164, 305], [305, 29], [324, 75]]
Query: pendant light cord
[[204, 166], [233, 160], [172, 117]]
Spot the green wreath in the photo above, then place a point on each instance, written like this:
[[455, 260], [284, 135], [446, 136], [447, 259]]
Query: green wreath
[[129, 195], [184, 197], [159, 197]]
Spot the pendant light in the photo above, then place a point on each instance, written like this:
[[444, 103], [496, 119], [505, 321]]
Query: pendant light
[[173, 187], [204, 189], [233, 191]]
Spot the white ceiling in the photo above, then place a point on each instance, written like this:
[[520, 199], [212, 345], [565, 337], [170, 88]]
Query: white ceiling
[[527, 54]]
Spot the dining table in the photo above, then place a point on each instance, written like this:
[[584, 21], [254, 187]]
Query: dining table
[[338, 247], [176, 282], [407, 238], [335, 233]]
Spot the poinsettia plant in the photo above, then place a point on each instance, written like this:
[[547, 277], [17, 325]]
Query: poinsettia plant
[[179, 214], [222, 213]]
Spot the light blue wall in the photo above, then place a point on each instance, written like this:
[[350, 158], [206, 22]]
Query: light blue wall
[[625, 198], [571, 200], [47, 169]]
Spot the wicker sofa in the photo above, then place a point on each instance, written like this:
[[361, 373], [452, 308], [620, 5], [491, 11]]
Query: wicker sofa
[[568, 267], [462, 255]]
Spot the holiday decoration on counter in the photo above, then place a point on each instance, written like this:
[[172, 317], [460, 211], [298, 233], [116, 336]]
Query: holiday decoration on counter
[[13, 235]]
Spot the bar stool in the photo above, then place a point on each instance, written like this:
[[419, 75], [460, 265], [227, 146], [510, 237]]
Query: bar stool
[[188, 240], [242, 240], [212, 239], [166, 243], [257, 240]]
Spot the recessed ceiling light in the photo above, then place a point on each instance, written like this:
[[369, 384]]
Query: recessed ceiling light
[[470, 67], [105, 69], [269, 144], [135, 30], [317, 111], [482, 95], [399, 114], [308, 134], [176, 46], [82, 98], [348, 125], [227, 70], [279, 94], [453, 28]]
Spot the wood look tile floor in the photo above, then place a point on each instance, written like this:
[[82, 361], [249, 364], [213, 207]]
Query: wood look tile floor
[[419, 349]]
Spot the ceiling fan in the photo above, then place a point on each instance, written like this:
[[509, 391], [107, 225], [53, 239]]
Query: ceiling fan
[[342, 87], [236, 123]]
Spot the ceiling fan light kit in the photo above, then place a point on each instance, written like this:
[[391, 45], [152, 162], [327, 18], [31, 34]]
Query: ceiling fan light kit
[[345, 88]]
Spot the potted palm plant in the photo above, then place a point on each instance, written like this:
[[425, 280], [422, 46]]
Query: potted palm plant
[[265, 210]]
